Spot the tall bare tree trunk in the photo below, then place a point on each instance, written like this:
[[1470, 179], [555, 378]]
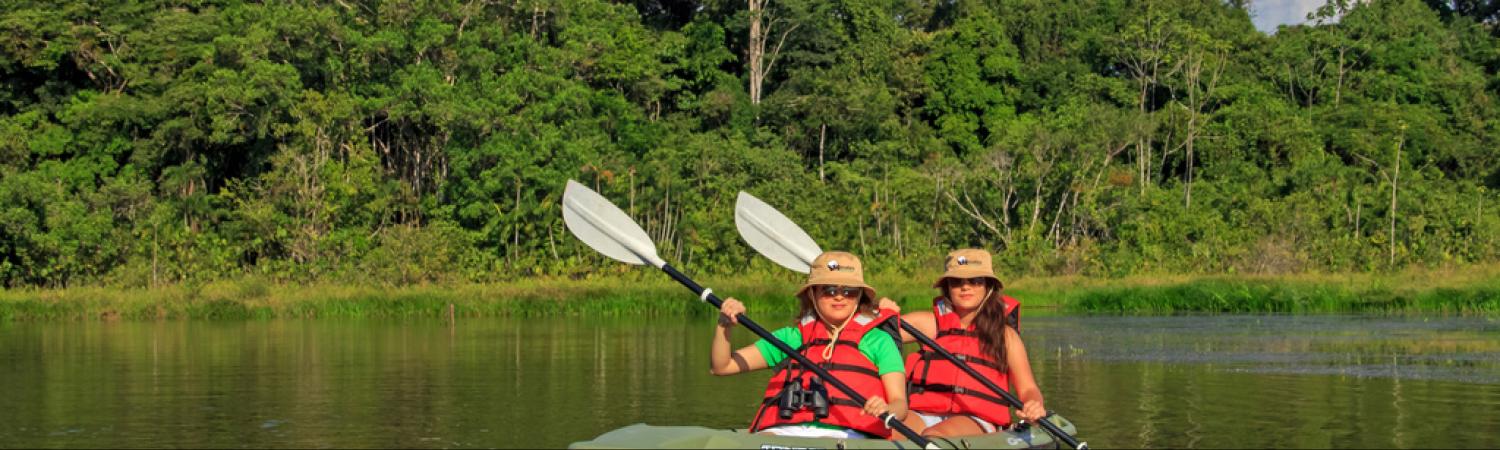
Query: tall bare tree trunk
[[863, 250], [551, 244], [1338, 89], [515, 240], [1143, 162], [757, 48], [822, 132], [1036, 206], [1147, 66], [1143, 145], [1198, 98], [1193, 70], [937, 198], [154, 246], [1053, 232], [761, 24], [536, 18], [1394, 179]]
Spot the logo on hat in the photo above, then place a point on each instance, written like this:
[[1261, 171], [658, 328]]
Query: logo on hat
[[833, 264], [962, 261]]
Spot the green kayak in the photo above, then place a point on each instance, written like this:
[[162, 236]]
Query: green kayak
[[649, 436]]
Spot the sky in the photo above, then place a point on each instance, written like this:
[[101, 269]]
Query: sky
[[1267, 14]]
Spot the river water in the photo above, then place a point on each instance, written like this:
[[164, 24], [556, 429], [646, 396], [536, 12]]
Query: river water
[[1179, 381]]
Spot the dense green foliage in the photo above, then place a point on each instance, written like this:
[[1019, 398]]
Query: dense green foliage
[[413, 141]]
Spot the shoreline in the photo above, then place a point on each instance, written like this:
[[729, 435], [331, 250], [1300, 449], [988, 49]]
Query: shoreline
[[1471, 290]]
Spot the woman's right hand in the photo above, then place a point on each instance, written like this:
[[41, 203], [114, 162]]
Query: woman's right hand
[[729, 310]]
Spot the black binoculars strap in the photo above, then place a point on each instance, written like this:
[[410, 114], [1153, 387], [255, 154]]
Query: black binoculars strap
[[832, 400]]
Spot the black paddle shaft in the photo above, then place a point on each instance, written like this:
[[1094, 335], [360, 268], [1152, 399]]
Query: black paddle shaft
[[756, 328], [1004, 394]]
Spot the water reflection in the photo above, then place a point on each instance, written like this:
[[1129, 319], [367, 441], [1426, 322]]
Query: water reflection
[[1239, 381], [1275, 381], [1451, 349]]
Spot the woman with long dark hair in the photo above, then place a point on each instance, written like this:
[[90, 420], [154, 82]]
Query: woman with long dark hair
[[975, 321]]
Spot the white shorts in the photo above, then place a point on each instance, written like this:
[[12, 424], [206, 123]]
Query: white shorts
[[814, 432], [934, 419]]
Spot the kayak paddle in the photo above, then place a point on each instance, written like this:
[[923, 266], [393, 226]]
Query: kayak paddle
[[779, 239], [607, 229]]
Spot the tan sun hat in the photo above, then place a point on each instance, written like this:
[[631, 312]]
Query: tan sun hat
[[839, 269], [968, 263]]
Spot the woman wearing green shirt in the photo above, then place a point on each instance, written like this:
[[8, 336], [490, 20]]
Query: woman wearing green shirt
[[839, 329]]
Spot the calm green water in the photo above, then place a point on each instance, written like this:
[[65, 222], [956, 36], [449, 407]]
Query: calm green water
[[1220, 381]]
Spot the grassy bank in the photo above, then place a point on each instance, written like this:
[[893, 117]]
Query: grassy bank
[[252, 298], [1474, 290]]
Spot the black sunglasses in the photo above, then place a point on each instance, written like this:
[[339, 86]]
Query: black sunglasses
[[846, 291]]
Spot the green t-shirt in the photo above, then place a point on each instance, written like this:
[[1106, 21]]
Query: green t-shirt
[[876, 345]]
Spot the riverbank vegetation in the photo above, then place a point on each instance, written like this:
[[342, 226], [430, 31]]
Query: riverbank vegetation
[[188, 146], [646, 294], [1474, 291]]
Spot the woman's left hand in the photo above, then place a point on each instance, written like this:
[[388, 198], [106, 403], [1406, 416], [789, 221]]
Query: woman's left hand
[[1032, 411], [876, 406]]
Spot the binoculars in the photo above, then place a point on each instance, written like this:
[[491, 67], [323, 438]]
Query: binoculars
[[795, 398]]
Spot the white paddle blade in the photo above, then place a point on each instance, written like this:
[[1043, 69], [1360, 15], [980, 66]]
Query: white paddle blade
[[606, 228], [773, 235]]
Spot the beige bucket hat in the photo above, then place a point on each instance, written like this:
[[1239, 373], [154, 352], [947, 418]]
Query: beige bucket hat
[[968, 263], [839, 269]]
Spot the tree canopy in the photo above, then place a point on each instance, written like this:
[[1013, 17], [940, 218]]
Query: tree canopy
[[410, 141]]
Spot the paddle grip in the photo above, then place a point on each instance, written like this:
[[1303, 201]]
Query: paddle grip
[[806, 363], [1014, 402]]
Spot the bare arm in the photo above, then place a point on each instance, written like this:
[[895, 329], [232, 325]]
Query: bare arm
[[721, 360], [895, 389], [1022, 378], [921, 320], [894, 401]]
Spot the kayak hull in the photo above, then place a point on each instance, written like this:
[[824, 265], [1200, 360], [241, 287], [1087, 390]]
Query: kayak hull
[[651, 436]]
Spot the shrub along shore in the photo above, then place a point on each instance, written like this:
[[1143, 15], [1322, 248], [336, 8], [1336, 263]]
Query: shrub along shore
[[1473, 290]]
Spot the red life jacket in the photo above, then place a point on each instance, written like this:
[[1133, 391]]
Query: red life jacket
[[935, 385], [847, 364]]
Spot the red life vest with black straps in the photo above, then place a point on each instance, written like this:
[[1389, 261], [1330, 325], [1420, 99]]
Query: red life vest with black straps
[[847, 364], [936, 386]]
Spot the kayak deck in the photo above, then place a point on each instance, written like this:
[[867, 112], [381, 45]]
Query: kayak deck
[[650, 436]]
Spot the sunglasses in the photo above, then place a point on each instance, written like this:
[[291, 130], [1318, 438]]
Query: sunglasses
[[846, 291], [958, 282]]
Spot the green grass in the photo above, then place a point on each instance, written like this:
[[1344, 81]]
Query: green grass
[[1474, 290], [255, 299]]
